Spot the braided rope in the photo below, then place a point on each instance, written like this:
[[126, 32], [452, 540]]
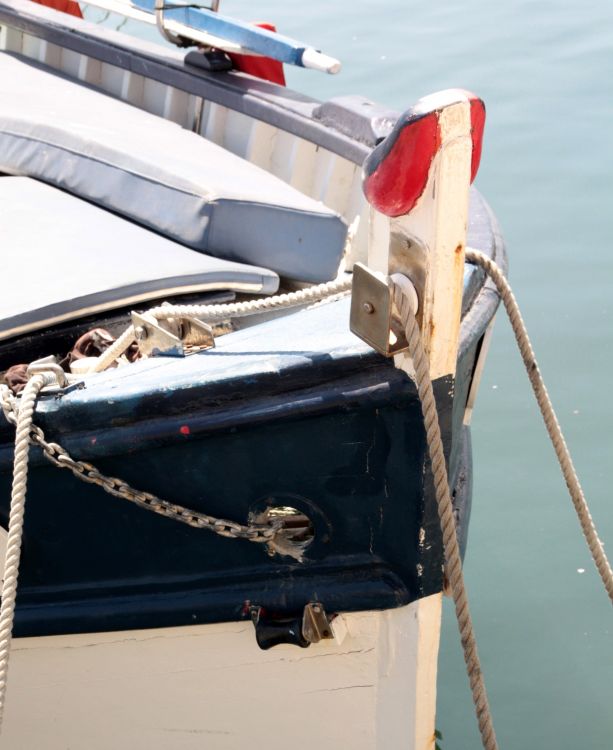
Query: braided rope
[[209, 313], [453, 560], [18, 499], [549, 416]]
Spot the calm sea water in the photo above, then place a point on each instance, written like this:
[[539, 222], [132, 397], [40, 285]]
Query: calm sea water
[[545, 71]]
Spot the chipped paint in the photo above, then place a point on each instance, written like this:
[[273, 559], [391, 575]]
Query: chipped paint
[[215, 682]]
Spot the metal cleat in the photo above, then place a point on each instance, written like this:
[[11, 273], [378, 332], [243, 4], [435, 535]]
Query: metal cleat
[[170, 337]]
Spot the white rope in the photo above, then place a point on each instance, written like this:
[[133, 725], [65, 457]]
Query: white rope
[[549, 416], [210, 313], [15, 531], [453, 559]]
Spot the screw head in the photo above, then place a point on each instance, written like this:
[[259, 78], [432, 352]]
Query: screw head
[[140, 333], [368, 308]]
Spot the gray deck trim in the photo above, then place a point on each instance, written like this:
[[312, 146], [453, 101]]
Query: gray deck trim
[[263, 101]]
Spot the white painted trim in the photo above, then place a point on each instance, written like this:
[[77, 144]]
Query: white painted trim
[[378, 242], [439, 222], [437, 229]]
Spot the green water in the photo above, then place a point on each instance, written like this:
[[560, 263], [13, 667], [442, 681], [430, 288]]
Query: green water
[[545, 71]]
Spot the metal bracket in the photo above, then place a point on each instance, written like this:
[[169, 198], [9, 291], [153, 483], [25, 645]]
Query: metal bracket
[[372, 314], [316, 625], [179, 41], [48, 364], [169, 337]]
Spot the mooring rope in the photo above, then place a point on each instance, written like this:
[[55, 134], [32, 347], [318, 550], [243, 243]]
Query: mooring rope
[[210, 313], [15, 530], [453, 559], [549, 416]]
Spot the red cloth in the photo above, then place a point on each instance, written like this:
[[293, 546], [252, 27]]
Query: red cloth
[[66, 6], [261, 67]]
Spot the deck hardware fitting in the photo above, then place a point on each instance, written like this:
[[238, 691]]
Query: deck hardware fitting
[[316, 626], [273, 630], [63, 382], [176, 39], [372, 311], [170, 337]]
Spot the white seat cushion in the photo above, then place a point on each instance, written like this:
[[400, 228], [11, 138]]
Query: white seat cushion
[[65, 258], [160, 175]]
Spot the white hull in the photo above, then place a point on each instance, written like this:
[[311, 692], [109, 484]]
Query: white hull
[[211, 686]]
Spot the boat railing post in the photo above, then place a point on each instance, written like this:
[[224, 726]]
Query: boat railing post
[[417, 183]]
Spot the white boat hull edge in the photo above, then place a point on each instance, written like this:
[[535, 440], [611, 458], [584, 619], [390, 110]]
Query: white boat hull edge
[[211, 686]]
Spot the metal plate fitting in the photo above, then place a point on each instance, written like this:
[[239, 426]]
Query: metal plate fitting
[[169, 337], [372, 312], [316, 625]]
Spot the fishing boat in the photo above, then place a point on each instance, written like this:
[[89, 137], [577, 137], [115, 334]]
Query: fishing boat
[[180, 237]]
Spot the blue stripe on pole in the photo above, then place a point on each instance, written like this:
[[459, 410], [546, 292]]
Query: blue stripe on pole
[[260, 41]]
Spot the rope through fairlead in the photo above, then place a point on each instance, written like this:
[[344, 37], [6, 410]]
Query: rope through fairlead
[[453, 559]]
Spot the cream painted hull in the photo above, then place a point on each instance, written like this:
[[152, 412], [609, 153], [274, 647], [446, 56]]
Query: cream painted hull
[[211, 686]]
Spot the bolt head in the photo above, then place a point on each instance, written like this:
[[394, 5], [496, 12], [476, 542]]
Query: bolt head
[[368, 308], [140, 333]]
